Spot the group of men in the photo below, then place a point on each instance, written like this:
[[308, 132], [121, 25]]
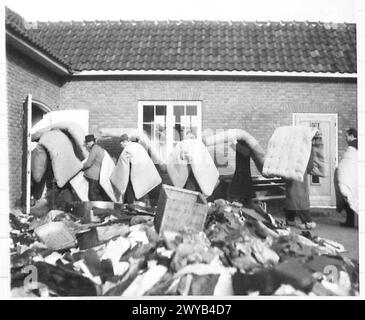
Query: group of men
[[297, 193], [92, 168]]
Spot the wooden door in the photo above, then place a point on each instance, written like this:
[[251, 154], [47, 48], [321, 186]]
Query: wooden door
[[322, 192], [26, 181]]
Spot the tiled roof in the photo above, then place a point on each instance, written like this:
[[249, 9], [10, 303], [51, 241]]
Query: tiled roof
[[24, 29], [201, 45]]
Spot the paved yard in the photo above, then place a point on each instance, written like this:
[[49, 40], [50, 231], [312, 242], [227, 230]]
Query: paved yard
[[328, 227]]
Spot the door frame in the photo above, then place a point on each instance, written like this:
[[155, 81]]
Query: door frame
[[334, 117]]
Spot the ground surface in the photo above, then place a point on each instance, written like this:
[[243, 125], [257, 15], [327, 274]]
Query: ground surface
[[328, 227]]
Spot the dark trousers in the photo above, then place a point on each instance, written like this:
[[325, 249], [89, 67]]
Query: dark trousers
[[303, 215], [129, 196], [95, 191], [350, 215], [191, 183]]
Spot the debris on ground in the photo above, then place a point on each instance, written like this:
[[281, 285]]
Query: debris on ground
[[120, 254]]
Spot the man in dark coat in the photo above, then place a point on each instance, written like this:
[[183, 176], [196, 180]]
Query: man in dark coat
[[297, 200], [351, 137], [241, 189], [92, 167]]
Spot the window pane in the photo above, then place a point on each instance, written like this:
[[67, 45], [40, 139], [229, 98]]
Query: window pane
[[193, 130], [148, 113], [147, 128], [178, 112], [160, 110], [178, 132], [160, 132], [191, 111], [315, 180]]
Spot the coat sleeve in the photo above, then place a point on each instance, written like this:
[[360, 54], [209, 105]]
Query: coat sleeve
[[245, 151], [90, 160], [311, 165]]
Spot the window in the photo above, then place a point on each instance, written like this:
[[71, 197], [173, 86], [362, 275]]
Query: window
[[315, 180], [167, 122]]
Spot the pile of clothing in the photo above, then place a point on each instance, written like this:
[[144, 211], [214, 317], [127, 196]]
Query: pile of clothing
[[118, 253]]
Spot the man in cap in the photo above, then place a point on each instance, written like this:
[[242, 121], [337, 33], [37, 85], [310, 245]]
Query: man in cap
[[92, 167]]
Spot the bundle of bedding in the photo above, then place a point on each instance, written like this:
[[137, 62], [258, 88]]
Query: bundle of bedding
[[194, 153], [135, 164], [81, 186], [39, 160], [289, 152], [347, 180], [65, 164], [137, 136], [257, 153], [73, 131], [107, 168]]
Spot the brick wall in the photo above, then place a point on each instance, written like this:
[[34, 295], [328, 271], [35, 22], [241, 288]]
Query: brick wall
[[258, 105], [24, 76]]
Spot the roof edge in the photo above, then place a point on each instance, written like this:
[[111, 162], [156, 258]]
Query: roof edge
[[212, 73], [29, 49]]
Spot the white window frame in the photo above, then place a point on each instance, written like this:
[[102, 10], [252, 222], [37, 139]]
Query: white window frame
[[170, 120]]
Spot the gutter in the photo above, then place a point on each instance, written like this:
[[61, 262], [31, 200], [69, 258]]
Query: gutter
[[213, 73], [35, 54]]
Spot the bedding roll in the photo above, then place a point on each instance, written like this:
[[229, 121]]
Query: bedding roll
[[195, 153], [39, 163], [73, 131], [65, 164], [288, 152], [258, 153], [347, 178]]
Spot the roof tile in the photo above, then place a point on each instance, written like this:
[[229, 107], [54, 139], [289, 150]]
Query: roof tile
[[196, 45]]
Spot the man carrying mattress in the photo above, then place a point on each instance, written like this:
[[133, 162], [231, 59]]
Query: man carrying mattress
[[135, 174], [346, 182], [92, 167], [190, 166]]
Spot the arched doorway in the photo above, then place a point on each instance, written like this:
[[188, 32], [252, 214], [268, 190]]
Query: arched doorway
[[39, 109]]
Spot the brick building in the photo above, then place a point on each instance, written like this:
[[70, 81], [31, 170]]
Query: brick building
[[185, 75]]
